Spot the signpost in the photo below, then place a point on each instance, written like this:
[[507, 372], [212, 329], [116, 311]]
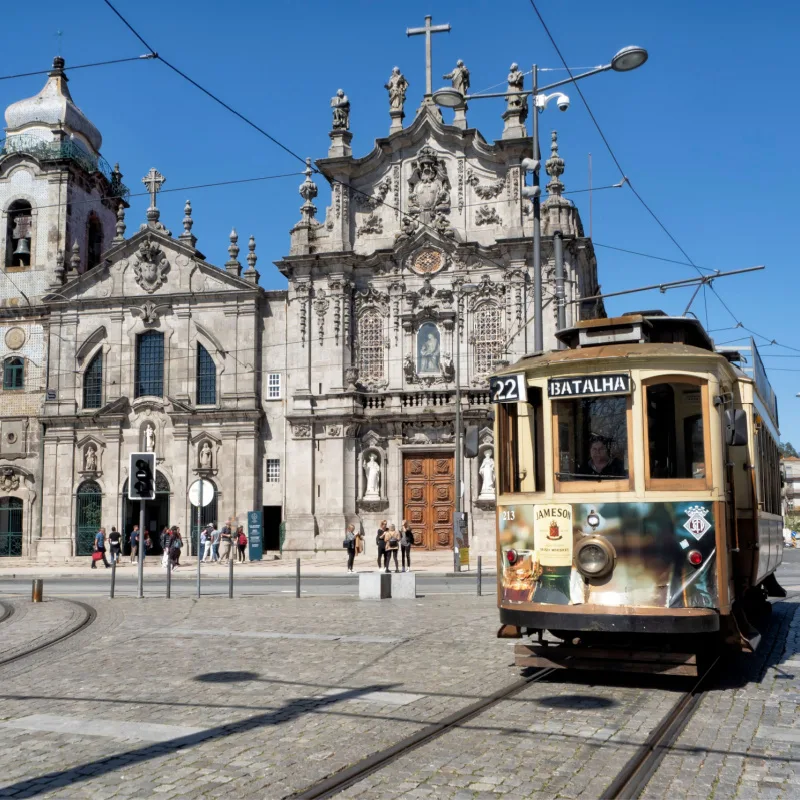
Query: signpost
[[201, 493], [255, 537]]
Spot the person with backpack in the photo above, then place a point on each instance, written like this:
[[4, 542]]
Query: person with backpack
[[175, 545], [381, 542], [100, 547], [115, 542], [406, 541], [392, 539], [241, 543]]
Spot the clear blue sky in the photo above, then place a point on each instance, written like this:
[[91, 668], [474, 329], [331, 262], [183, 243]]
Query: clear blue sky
[[707, 129]]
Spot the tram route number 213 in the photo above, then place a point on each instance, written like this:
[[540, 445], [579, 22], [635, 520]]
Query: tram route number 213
[[508, 389]]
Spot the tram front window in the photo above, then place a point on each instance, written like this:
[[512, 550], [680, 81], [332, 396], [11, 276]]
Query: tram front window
[[592, 439]]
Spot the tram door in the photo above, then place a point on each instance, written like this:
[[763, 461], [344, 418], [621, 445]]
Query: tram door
[[428, 502]]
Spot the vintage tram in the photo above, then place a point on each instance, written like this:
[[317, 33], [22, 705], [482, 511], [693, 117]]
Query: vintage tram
[[638, 496]]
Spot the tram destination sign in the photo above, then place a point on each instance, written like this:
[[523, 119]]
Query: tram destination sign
[[589, 385]]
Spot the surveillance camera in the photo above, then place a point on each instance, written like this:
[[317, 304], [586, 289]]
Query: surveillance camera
[[563, 103]]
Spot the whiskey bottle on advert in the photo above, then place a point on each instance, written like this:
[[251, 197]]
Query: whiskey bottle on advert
[[553, 538]]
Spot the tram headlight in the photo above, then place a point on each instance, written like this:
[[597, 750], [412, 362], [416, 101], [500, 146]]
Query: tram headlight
[[512, 556], [595, 557]]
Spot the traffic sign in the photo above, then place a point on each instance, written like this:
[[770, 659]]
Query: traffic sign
[[194, 493]]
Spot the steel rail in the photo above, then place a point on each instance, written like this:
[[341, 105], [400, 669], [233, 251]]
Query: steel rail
[[339, 781], [8, 610], [91, 615], [635, 775]]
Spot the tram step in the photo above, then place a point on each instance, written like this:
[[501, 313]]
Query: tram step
[[567, 657]]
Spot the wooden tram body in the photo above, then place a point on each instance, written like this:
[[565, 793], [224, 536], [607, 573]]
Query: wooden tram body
[[638, 496]]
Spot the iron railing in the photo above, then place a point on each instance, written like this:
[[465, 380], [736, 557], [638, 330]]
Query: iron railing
[[68, 149], [89, 516], [10, 526]]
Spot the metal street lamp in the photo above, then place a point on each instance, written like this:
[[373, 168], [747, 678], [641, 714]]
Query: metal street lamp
[[625, 60]]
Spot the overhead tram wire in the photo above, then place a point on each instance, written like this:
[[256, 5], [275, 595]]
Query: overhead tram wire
[[145, 57]]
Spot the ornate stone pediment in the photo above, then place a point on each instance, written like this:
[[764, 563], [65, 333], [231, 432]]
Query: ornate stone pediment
[[150, 266], [372, 297], [427, 433]]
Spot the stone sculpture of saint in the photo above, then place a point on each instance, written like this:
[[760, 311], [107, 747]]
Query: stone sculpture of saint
[[90, 459], [429, 354], [373, 472], [205, 456], [341, 111], [397, 87], [150, 439], [487, 476], [460, 77], [516, 83]]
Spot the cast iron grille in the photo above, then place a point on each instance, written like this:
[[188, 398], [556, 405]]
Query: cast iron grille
[[89, 516], [150, 364], [206, 378], [370, 346], [93, 383], [488, 338], [10, 526]]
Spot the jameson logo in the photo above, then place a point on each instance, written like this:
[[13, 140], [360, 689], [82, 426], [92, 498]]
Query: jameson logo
[[552, 535], [585, 385]]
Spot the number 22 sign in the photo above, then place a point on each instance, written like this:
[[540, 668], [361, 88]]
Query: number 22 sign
[[508, 389]]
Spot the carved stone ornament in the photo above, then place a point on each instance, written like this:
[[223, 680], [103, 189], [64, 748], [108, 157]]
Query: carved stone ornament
[[485, 191], [9, 480], [427, 433], [351, 377], [373, 224], [429, 187], [427, 261], [486, 215], [150, 266], [15, 338], [409, 369], [334, 430], [369, 202], [301, 431]]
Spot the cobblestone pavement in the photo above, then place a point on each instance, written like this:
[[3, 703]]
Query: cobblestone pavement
[[33, 624]]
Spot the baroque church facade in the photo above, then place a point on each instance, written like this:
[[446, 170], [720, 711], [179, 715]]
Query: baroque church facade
[[328, 403]]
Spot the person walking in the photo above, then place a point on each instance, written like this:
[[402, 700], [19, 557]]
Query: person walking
[[406, 540], [215, 544], [225, 540], [175, 545], [381, 542], [392, 539], [350, 539], [100, 547], [202, 547], [208, 546], [115, 542], [134, 543], [163, 540], [241, 543]]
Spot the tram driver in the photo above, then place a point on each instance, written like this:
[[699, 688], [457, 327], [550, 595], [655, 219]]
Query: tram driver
[[600, 464]]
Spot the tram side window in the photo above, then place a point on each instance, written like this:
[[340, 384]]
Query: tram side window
[[768, 462], [592, 439], [676, 431], [520, 445]]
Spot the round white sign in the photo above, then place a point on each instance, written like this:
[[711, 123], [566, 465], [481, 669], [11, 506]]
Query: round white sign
[[194, 492]]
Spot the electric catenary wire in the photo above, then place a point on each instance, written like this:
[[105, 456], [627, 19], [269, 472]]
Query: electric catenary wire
[[145, 57]]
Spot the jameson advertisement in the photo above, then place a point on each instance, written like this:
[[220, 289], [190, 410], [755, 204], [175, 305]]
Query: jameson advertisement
[[652, 543]]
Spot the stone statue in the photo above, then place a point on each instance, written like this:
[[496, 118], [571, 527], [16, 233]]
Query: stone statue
[[487, 477], [90, 459], [205, 456], [149, 438], [409, 369], [397, 87], [447, 367], [516, 83], [460, 77], [373, 472], [341, 111]]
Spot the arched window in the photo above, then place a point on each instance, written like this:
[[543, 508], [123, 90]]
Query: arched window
[[206, 377], [488, 338], [370, 345], [19, 233], [149, 364], [94, 241], [93, 382], [10, 526], [88, 517], [14, 373]]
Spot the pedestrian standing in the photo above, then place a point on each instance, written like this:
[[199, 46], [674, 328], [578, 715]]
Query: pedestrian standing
[[208, 548], [176, 543], [215, 545], [392, 539], [381, 542], [202, 548], [115, 542], [406, 541], [225, 540], [350, 544], [164, 540], [134, 543], [100, 547], [241, 543]]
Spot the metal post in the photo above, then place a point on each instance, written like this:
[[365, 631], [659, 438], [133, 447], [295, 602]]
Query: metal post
[[37, 590], [538, 322], [230, 576], [480, 566], [169, 576], [199, 524], [458, 509], [140, 586], [297, 579], [558, 251], [113, 577]]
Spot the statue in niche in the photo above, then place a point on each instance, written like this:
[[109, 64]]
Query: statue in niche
[[90, 459], [341, 111], [460, 77], [487, 477], [372, 469], [408, 368], [149, 438], [516, 83], [205, 456], [448, 367], [397, 87], [428, 348]]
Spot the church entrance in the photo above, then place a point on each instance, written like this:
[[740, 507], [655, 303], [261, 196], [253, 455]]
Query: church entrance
[[428, 499], [156, 516]]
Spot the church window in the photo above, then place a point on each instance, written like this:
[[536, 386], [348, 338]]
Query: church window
[[206, 377], [14, 373], [150, 364], [273, 470], [370, 345], [19, 233], [94, 241], [488, 338], [274, 386], [93, 382]]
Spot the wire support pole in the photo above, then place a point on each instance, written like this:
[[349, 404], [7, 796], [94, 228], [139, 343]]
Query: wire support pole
[[538, 300]]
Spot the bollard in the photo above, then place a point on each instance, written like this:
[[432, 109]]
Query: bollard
[[169, 577], [297, 580], [230, 579], [37, 590], [113, 577], [479, 575]]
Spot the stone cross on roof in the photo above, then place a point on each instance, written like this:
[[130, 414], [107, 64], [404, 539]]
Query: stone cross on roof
[[153, 181], [428, 30]]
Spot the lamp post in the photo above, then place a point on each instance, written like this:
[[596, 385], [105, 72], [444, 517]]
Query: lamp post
[[625, 60], [464, 289]]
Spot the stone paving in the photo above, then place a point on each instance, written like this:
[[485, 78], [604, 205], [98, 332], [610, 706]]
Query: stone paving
[[33, 624]]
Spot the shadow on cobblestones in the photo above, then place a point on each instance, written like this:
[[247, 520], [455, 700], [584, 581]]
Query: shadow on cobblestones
[[576, 701], [94, 769]]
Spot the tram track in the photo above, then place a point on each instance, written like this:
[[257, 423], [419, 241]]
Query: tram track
[[90, 616], [8, 610]]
